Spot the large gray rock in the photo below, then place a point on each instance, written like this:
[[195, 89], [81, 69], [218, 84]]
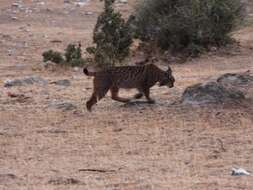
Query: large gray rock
[[228, 87], [211, 92], [236, 80], [239, 81]]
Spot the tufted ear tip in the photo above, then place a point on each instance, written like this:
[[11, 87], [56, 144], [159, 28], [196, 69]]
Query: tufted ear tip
[[85, 71]]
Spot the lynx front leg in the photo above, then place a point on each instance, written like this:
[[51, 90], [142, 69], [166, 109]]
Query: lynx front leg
[[91, 101], [147, 93], [97, 95], [115, 92]]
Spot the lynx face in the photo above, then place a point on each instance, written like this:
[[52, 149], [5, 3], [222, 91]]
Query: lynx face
[[167, 79], [141, 78]]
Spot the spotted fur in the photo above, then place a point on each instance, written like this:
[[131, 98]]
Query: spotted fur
[[141, 78]]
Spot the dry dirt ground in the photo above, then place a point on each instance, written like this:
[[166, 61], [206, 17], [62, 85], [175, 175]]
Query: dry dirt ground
[[116, 147]]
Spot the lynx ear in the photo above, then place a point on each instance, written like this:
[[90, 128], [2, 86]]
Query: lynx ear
[[85, 71]]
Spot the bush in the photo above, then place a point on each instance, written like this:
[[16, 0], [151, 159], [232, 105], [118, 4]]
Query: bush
[[73, 56], [191, 25], [111, 36], [72, 52], [53, 56]]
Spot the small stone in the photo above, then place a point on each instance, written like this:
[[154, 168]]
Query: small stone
[[41, 3], [10, 83], [81, 3], [14, 18], [76, 69], [89, 13], [239, 172], [48, 64], [63, 82], [10, 52], [66, 106], [17, 5], [123, 1], [64, 181]]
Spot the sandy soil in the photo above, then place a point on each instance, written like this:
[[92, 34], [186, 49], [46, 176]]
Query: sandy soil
[[117, 146]]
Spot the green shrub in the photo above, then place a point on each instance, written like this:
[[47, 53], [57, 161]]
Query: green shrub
[[73, 56], [191, 25], [111, 36], [72, 52], [53, 56]]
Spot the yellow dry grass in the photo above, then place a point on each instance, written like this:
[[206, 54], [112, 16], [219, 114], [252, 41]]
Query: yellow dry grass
[[140, 147]]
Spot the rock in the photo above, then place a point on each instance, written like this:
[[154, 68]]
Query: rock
[[66, 106], [21, 98], [10, 52], [123, 1], [81, 3], [41, 3], [239, 172], [76, 69], [7, 178], [228, 87], [211, 92], [64, 181], [49, 64], [25, 81], [10, 83], [14, 18], [16, 5], [89, 13], [34, 79], [63, 82], [237, 80]]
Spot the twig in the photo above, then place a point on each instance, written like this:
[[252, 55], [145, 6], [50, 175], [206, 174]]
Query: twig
[[96, 170], [221, 144]]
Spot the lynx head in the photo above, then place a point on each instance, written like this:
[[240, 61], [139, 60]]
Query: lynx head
[[167, 79]]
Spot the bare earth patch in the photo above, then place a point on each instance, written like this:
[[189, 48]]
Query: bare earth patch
[[135, 146]]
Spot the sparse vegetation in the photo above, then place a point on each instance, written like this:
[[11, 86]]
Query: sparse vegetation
[[73, 56], [53, 56], [192, 26], [72, 52], [49, 141], [111, 36]]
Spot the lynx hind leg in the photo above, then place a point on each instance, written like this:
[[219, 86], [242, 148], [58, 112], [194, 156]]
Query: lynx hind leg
[[115, 95], [99, 92], [91, 101]]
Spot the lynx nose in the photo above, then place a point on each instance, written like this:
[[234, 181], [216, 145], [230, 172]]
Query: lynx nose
[[170, 85]]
